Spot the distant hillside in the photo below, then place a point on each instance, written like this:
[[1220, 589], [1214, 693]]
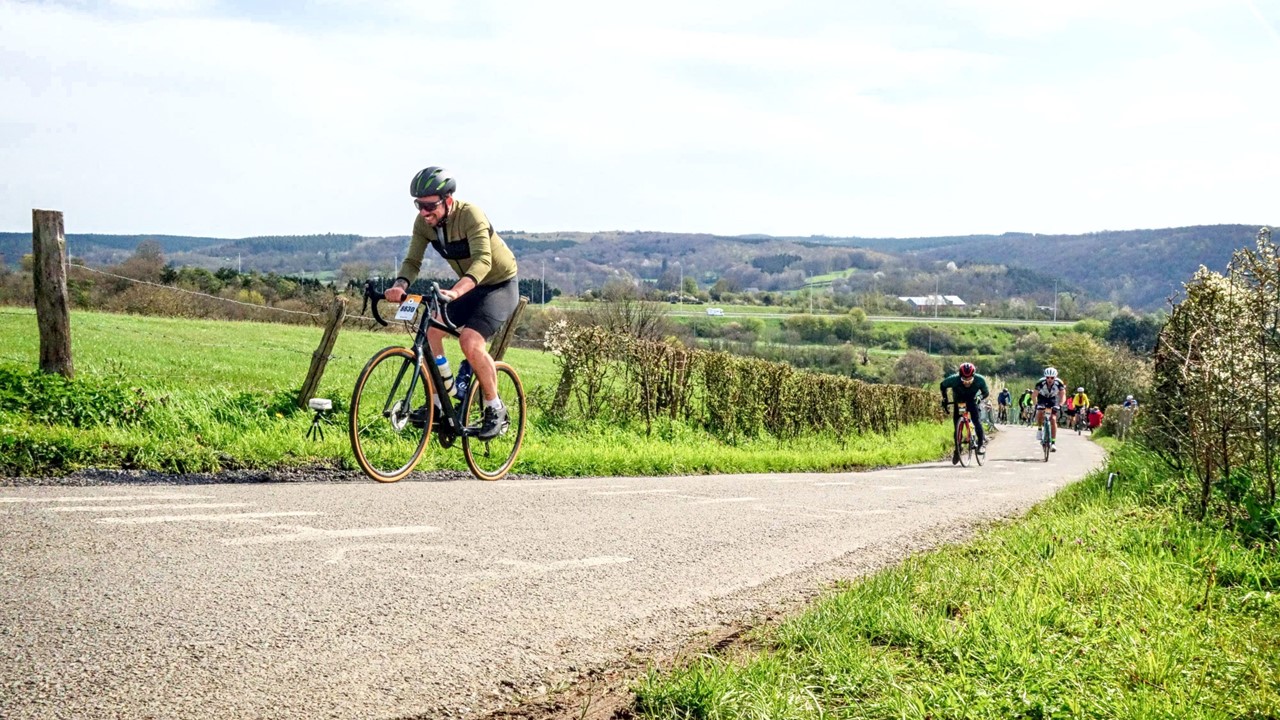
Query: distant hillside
[[1137, 268], [1141, 268]]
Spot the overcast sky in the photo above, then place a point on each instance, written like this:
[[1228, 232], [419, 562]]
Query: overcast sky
[[843, 118]]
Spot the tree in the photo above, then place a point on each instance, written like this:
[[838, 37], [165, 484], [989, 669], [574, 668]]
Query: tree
[[146, 263], [1137, 333], [916, 368], [625, 312], [930, 339], [690, 286], [1107, 373], [1214, 410]]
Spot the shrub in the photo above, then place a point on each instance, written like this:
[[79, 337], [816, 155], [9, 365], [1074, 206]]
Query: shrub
[[54, 399]]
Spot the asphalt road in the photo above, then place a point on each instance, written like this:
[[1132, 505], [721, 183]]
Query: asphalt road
[[437, 599]]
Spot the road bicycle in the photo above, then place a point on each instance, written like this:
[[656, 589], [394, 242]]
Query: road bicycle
[[965, 438], [985, 417], [1002, 415], [1046, 431], [1081, 421], [1027, 414], [400, 398]]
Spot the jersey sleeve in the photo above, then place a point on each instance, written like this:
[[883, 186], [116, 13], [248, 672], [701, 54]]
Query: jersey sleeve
[[412, 264]]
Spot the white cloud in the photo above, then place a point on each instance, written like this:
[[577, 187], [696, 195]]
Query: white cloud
[[186, 117]]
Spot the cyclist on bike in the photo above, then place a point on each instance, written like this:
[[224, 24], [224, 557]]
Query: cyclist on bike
[[486, 293], [1079, 404], [1051, 394], [1025, 403], [967, 387], [1130, 403], [1004, 399]]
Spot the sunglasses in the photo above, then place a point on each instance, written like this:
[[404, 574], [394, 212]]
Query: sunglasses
[[427, 206]]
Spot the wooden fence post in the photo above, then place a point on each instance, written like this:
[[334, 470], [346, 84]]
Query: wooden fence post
[[320, 357], [49, 271], [498, 347]]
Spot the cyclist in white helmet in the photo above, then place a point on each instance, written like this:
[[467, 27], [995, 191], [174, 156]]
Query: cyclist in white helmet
[[1051, 394]]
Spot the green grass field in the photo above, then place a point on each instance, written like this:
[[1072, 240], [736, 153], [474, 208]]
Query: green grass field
[[1097, 605], [220, 395]]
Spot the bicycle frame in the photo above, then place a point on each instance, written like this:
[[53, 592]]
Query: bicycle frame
[[964, 425], [434, 305]]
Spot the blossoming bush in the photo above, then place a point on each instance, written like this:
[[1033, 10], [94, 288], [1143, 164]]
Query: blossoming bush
[[1215, 409]]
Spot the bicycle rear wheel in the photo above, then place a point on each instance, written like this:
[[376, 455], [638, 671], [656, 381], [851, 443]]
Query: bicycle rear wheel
[[1046, 440], [491, 459], [387, 442]]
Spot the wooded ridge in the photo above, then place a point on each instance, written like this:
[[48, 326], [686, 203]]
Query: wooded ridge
[[1135, 268]]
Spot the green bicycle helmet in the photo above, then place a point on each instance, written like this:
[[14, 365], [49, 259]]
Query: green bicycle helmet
[[432, 181]]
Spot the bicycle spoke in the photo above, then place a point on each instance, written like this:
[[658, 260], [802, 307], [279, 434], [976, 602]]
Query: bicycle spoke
[[385, 436], [490, 459]]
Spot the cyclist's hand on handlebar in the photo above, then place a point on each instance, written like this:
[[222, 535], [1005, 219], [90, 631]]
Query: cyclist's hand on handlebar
[[394, 294]]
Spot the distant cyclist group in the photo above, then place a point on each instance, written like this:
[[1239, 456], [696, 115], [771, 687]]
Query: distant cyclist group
[[1049, 396]]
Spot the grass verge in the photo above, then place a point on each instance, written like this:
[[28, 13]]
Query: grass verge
[[1095, 605], [180, 395]]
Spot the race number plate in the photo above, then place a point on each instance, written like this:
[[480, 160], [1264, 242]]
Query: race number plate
[[409, 307]]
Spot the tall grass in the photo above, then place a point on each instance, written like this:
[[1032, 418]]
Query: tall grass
[[1095, 605], [221, 395]]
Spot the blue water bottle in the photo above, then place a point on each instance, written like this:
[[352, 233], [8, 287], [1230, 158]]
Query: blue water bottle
[[462, 380]]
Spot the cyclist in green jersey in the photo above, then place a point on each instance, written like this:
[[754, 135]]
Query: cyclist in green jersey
[[487, 291], [967, 387]]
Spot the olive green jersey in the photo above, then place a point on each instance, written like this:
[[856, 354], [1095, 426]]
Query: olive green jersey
[[467, 241]]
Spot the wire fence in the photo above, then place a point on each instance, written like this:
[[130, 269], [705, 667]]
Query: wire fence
[[256, 306], [192, 292], [318, 317]]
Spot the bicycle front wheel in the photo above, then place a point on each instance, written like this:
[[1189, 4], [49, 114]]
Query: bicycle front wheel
[[977, 456], [964, 444], [391, 414], [491, 459]]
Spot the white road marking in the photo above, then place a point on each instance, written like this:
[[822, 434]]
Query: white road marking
[[711, 501], [636, 492], [105, 498], [319, 534], [793, 512], [565, 564], [339, 555], [228, 517], [117, 508], [583, 487]]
